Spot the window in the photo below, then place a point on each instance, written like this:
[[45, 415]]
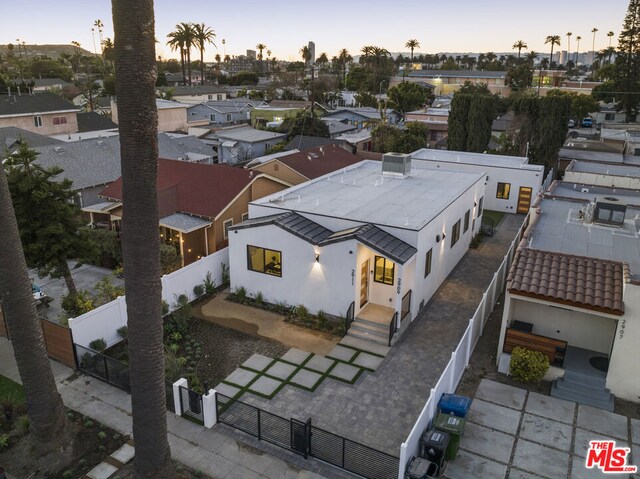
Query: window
[[212, 117], [264, 260], [384, 270], [609, 116], [503, 191], [480, 207], [245, 216], [225, 227], [37, 120], [455, 233], [218, 97], [228, 116], [59, 120], [466, 220], [427, 263], [209, 97]]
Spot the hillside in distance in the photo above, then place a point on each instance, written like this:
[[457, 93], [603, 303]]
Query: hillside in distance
[[52, 51]]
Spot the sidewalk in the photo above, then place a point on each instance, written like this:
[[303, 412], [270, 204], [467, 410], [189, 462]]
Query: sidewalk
[[219, 453]]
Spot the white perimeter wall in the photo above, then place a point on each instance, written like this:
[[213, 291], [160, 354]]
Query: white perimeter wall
[[517, 177], [327, 285], [103, 322]]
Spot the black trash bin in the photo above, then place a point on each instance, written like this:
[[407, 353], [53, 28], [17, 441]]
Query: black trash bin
[[434, 446], [420, 468]]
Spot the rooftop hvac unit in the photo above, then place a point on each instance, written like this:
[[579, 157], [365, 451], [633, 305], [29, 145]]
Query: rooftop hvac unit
[[396, 164]]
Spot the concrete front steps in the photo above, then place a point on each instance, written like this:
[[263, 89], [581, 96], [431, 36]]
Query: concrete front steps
[[583, 389], [369, 331]]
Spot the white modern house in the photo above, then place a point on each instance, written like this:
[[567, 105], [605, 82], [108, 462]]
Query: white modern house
[[573, 292], [371, 241], [511, 182]]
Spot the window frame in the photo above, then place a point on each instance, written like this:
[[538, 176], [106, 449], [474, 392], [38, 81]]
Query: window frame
[[500, 192], [384, 268], [455, 232], [212, 117], [264, 260], [37, 121], [480, 206], [467, 216], [245, 216], [225, 227], [59, 120], [427, 262]]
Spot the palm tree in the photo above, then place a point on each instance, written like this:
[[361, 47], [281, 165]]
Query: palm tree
[[553, 40], [578, 38], [107, 52], [344, 58], [176, 42], [50, 432], [99, 25], [260, 47], [519, 45], [532, 56], [189, 42], [610, 35], [568, 45], [218, 59], [593, 47], [203, 35], [412, 44], [138, 122]]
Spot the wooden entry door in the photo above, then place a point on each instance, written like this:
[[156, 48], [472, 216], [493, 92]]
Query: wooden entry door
[[524, 199], [364, 283]]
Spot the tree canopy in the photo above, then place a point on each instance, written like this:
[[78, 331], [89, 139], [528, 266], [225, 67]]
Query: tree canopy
[[407, 97]]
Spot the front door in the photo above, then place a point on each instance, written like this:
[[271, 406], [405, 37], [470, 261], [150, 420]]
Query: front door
[[364, 283], [524, 199]]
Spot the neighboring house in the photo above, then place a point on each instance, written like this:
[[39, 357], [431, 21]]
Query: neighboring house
[[92, 164], [307, 164], [445, 82], [197, 204], [300, 142], [43, 113], [238, 144], [337, 128], [176, 79], [437, 119], [10, 136], [199, 93], [573, 292], [358, 140], [222, 113], [93, 121], [362, 117], [503, 124], [264, 116], [511, 183], [603, 174], [608, 113], [45, 84], [590, 150], [172, 116], [376, 239]]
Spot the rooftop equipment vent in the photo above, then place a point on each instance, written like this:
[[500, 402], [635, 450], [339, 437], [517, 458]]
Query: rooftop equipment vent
[[609, 211], [396, 164]]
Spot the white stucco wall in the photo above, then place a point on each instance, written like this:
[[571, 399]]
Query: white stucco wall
[[622, 378]]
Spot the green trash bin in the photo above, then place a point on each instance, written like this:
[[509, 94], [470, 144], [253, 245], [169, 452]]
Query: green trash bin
[[454, 426]]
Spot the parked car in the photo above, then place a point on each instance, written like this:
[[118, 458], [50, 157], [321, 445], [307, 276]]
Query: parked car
[[586, 123], [572, 124]]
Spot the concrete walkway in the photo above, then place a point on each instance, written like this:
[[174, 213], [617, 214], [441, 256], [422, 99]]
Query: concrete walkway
[[219, 453], [380, 409]]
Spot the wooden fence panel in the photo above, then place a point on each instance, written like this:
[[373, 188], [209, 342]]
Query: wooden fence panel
[[59, 343]]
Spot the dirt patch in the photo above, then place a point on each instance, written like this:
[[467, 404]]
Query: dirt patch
[[483, 365]]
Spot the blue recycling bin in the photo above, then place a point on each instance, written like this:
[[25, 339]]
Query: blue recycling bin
[[454, 404]]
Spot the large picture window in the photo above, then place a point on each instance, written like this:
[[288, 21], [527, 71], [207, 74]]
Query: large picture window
[[503, 191], [427, 263], [384, 271], [466, 220], [455, 233], [480, 201], [264, 260]]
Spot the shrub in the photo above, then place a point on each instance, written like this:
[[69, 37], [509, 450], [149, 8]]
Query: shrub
[[98, 345], [8, 404], [102, 435], [170, 259], [67, 474], [88, 424], [226, 279], [302, 312], [282, 307], [82, 463], [322, 319], [209, 284], [258, 298], [123, 332], [176, 336], [4, 441], [198, 290], [165, 308], [77, 304], [63, 319], [528, 366], [240, 294], [173, 347], [22, 425], [102, 448], [107, 291]]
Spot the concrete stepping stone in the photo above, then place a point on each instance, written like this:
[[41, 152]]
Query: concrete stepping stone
[[367, 361], [602, 422], [345, 372], [501, 394], [306, 379], [124, 454], [319, 363], [227, 390], [342, 353], [102, 471], [241, 377], [265, 386], [295, 356], [281, 370], [257, 362]]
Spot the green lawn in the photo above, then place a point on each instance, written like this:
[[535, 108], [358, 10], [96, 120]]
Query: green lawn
[[9, 388], [496, 216]]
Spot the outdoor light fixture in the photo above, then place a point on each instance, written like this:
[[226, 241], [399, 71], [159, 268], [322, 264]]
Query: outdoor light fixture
[[317, 257], [437, 238], [444, 235], [475, 203]]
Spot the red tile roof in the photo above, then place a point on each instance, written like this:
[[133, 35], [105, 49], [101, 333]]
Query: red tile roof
[[587, 283], [318, 161], [192, 188]]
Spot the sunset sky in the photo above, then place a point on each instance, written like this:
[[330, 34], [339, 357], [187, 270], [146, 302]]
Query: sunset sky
[[285, 26]]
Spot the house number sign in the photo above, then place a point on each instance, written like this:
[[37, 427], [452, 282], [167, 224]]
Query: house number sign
[[398, 289], [623, 324]]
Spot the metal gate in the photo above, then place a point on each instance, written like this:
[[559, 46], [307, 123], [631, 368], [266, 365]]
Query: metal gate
[[191, 404]]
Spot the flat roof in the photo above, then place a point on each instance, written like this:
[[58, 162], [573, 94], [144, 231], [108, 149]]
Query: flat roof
[[479, 159], [361, 193], [560, 229], [604, 169], [585, 193]]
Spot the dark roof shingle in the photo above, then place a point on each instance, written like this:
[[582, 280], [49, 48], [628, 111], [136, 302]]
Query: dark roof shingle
[[315, 162], [578, 281], [44, 102]]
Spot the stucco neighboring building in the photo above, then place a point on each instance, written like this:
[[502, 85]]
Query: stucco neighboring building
[[43, 113], [172, 116], [242, 143], [198, 93], [376, 239]]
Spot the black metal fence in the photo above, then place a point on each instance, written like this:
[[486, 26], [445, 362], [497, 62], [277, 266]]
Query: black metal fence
[[348, 319], [393, 327], [405, 309], [191, 404], [306, 439]]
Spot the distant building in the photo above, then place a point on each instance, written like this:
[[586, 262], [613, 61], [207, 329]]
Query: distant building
[[251, 54], [43, 113]]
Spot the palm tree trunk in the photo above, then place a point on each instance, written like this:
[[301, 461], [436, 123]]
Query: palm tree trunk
[[50, 432], [202, 64], [68, 279], [184, 73], [189, 64], [138, 124]]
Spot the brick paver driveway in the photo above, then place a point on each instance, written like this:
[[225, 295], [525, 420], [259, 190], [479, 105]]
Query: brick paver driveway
[[381, 408]]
